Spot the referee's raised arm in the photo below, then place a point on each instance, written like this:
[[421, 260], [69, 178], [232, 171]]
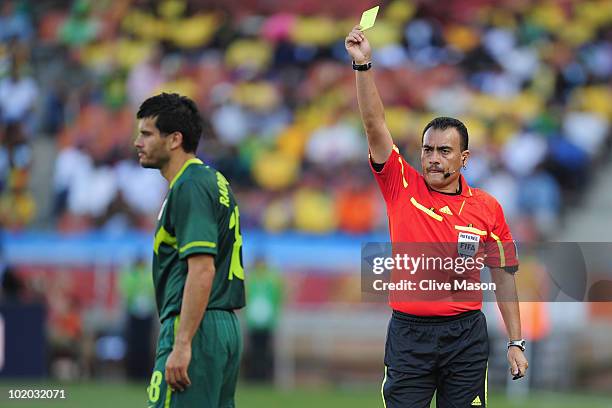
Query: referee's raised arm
[[370, 105]]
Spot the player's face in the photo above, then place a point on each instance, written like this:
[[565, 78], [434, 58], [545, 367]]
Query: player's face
[[441, 154], [152, 148]]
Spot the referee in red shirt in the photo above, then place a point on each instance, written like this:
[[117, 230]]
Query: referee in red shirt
[[437, 346]]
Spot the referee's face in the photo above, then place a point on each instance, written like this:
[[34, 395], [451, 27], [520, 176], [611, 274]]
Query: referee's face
[[442, 158], [151, 147]]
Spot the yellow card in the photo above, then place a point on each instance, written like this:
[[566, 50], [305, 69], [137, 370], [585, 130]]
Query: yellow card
[[368, 18]]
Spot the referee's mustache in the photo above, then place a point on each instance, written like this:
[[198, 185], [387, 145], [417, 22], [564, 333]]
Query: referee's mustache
[[435, 169]]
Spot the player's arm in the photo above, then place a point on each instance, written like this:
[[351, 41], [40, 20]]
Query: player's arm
[[200, 274], [370, 104], [507, 301], [196, 238]]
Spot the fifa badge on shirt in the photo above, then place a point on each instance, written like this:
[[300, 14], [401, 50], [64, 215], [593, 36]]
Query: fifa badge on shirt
[[467, 244]]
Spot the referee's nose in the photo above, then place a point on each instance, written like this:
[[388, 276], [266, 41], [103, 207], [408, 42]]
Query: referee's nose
[[434, 157]]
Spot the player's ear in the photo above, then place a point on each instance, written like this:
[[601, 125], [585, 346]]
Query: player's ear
[[176, 140]]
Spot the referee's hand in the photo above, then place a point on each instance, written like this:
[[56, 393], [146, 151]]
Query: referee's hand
[[358, 46], [518, 362]]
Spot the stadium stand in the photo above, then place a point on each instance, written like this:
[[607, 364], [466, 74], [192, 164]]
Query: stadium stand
[[281, 104]]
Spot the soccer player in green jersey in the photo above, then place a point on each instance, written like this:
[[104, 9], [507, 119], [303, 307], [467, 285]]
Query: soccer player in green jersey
[[197, 263]]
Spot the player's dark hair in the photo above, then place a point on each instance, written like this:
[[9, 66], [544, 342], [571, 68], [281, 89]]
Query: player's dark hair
[[174, 113], [443, 123]]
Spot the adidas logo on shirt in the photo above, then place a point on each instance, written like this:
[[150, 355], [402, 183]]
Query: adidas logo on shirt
[[446, 210]]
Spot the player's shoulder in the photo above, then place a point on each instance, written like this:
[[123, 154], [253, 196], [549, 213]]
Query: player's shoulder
[[196, 179], [197, 176], [484, 198]]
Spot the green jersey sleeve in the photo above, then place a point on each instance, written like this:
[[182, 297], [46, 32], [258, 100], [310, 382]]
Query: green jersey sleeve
[[195, 221]]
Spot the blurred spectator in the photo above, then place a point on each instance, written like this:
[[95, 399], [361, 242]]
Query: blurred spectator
[[69, 165], [540, 197], [12, 286], [356, 206], [264, 297], [136, 288], [335, 144], [16, 147], [93, 191], [65, 329], [142, 189], [80, 28], [17, 206], [53, 108], [15, 21], [145, 78], [18, 95]]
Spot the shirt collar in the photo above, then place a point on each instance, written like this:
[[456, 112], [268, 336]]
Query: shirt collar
[[195, 160], [466, 190]]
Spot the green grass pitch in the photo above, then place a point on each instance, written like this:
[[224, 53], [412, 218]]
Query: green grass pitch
[[114, 395]]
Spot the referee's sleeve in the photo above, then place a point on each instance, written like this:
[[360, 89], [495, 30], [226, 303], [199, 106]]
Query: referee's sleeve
[[500, 246], [195, 221], [393, 176]]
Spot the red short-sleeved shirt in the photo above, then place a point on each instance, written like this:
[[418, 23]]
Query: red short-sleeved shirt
[[418, 214]]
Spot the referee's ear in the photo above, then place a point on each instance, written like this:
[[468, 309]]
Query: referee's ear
[[465, 155]]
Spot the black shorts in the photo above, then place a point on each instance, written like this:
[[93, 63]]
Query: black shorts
[[428, 354]]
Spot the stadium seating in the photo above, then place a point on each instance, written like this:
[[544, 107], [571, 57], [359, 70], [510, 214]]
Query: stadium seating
[[278, 91]]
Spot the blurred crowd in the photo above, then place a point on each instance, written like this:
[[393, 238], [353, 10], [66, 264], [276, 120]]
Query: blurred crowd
[[531, 79]]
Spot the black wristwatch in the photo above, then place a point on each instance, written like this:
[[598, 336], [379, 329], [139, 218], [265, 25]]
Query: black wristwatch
[[362, 67], [517, 343]]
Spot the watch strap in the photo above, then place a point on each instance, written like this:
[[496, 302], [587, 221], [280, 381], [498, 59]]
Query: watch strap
[[362, 67], [517, 343]]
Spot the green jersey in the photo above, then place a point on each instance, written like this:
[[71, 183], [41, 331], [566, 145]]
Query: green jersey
[[198, 216]]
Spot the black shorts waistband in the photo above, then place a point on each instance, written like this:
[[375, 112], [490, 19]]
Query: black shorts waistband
[[433, 319]]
